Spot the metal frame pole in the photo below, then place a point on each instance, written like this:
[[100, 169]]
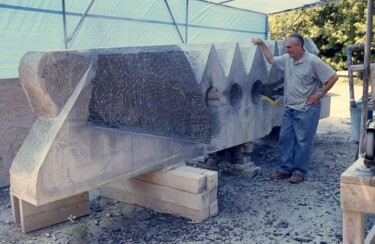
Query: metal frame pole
[[174, 21], [366, 74], [187, 21], [80, 20], [64, 25], [267, 29]]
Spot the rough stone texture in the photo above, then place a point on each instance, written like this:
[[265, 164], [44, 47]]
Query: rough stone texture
[[149, 93], [135, 110], [54, 76]]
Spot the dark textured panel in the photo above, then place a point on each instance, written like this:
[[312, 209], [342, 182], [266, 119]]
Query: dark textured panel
[[62, 76], [151, 93]]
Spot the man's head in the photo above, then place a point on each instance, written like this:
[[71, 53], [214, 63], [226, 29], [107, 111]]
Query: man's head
[[294, 46]]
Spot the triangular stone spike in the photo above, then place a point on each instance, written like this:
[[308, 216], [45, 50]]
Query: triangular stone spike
[[247, 53], [225, 52], [197, 56]]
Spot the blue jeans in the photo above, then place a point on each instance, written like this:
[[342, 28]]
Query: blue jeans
[[296, 139]]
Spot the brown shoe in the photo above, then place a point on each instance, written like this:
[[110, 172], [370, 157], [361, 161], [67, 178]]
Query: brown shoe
[[280, 175], [296, 178]]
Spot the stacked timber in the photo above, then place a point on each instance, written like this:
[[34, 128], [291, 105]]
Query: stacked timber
[[183, 191]]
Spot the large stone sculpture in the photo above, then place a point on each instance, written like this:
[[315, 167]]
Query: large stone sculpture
[[108, 114]]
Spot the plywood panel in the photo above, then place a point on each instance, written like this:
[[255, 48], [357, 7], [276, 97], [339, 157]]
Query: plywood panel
[[16, 119]]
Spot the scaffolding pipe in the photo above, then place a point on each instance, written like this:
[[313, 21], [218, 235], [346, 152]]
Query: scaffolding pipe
[[227, 1], [366, 74], [187, 21], [174, 21], [287, 28], [64, 25], [349, 59], [80, 21]]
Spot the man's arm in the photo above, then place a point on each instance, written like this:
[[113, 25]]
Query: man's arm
[[329, 84], [314, 99], [266, 51]]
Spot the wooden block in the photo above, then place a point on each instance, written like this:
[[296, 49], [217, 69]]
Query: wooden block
[[353, 227], [357, 198], [214, 209], [37, 217], [211, 176], [177, 179], [213, 195], [156, 204], [357, 174], [15, 202], [370, 238], [190, 200]]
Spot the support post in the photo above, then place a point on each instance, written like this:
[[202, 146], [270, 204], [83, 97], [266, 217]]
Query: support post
[[366, 75], [187, 21], [64, 25]]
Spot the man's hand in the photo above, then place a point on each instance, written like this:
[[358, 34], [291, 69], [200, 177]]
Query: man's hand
[[313, 99], [266, 51], [257, 41]]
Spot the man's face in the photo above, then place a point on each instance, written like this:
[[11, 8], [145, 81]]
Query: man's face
[[292, 48]]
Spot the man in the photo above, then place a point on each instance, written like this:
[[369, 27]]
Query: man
[[303, 73]]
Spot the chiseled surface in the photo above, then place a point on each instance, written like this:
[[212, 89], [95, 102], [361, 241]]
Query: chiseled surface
[[135, 110]]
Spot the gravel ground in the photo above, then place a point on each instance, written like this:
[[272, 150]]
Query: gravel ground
[[251, 210]]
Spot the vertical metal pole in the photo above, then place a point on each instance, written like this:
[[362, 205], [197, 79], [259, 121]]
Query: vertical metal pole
[[187, 21], [64, 23], [266, 32], [366, 64]]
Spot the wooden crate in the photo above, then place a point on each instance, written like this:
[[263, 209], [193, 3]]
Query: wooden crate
[[357, 197]]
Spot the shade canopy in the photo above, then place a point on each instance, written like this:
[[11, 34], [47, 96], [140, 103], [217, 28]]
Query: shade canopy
[[31, 25]]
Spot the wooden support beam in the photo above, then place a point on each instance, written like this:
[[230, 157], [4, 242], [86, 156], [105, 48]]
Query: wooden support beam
[[211, 176], [157, 204], [353, 227], [177, 179], [15, 208], [36, 217], [182, 198], [357, 197], [183, 191], [370, 238]]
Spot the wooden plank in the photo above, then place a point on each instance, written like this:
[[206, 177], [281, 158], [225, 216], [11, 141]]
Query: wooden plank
[[37, 217], [176, 179], [357, 174], [357, 198], [353, 227], [195, 201], [31, 209], [16, 119], [370, 238], [213, 195], [211, 176], [155, 203], [15, 203], [214, 209]]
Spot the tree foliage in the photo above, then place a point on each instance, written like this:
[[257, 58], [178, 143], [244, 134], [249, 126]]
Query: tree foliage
[[332, 26]]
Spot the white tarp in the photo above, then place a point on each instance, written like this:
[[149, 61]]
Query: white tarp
[[267, 6], [30, 25]]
